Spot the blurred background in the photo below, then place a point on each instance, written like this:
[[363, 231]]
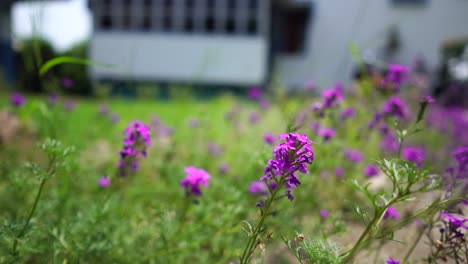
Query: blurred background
[[219, 45]]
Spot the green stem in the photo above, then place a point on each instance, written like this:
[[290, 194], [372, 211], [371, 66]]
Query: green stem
[[31, 213], [250, 247]]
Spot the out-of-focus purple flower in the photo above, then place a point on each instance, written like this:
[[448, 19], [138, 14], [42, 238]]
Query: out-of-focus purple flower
[[194, 123], [224, 168], [327, 133], [69, 105], [103, 109], [269, 138], [383, 128], [254, 117], [136, 143], [392, 212], [349, 112], [300, 119], [258, 187], [392, 261], [396, 107], [390, 143], [290, 157], [461, 156], [324, 213], [371, 170], [104, 182], [53, 99], [310, 85], [66, 82], [427, 99], [194, 180], [264, 104], [376, 120], [17, 99], [354, 155], [115, 118], [396, 75], [333, 97], [315, 126], [414, 154], [214, 149], [339, 172], [255, 93], [457, 221]]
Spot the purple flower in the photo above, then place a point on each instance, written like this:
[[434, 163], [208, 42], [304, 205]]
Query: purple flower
[[69, 105], [392, 261], [224, 168], [395, 107], [136, 142], [104, 182], [194, 123], [396, 75], [66, 82], [255, 93], [339, 172], [17, 99], [214, 149], [390, 143], [324, 213], [269, 138], [457, 221], [290, 157], [392, 212], [349, 112], [194, 180], [104, 109], [53, 99], [333, 97], [327, 133], [254, 117], [258, 187], [371, 170], [264, 104], [414, 154], [461, 156], [427, 99], [354, 155], [115, 118]]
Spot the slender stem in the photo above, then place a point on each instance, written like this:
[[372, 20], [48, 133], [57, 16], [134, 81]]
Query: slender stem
[[413, 246], [250, 247], [31, 213]]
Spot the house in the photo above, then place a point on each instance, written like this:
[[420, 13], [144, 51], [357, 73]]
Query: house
[[247, 42]]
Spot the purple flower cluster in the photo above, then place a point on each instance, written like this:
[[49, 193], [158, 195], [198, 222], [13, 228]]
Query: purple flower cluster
[[136, 142], [105, 182], [392, 261], [461, 156], [17, 100], [349, 112], [414, 154], [290, 157], [371, 170], [258, 187], [457, 221], [391, 212], [327, 133], [255, 93], [396, 75], [395, 107], [269, 138], [354, 155], [194, 180], [333, 97]]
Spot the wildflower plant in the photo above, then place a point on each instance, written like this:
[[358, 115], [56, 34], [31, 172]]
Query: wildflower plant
[[290, 157], [136, 143]]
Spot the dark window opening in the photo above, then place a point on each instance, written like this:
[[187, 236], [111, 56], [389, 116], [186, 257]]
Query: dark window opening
[[289, 27], [252, 26], [127, 22], [209, 24], [253, 4], [230, 25], [148, 3], [210, 4], [146, 23], [189, 4], [106, 22], [167, 24], [189, 25]]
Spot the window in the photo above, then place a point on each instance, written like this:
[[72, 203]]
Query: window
[[290, 25]]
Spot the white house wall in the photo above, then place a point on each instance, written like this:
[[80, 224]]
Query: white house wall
[[365, 22], [190, 58]]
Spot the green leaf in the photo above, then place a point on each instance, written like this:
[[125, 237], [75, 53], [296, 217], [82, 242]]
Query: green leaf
[[70, 60]]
